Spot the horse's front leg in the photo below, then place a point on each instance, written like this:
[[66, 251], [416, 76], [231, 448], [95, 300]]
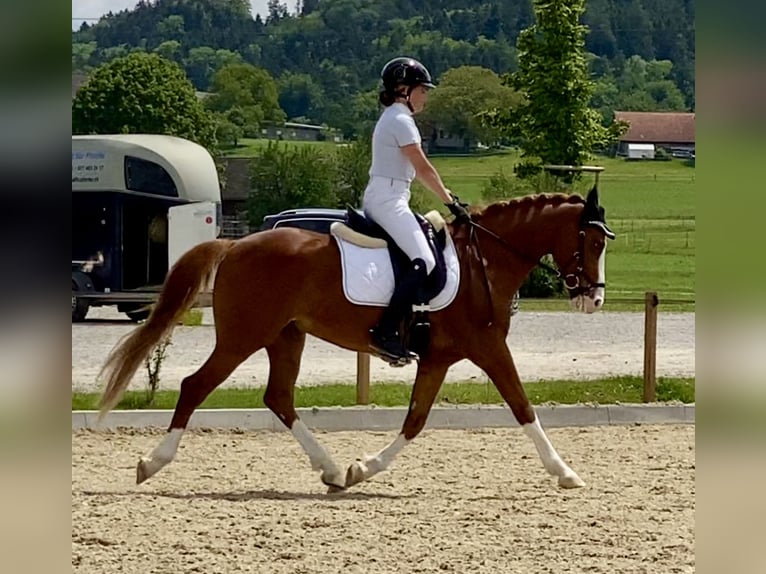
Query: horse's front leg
[[494, 358], [428, 380]]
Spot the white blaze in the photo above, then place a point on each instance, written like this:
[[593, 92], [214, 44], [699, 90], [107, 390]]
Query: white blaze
[[594, 300]]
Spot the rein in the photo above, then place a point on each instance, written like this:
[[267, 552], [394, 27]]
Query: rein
[[510, 248], [571, 280]]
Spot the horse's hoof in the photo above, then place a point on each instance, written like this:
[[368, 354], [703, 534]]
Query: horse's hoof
[[142, 472], [332, 489], [571, 481], [354, 474], [333, 482]]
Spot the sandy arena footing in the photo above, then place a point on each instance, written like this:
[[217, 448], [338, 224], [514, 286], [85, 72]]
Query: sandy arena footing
[[462, 501]]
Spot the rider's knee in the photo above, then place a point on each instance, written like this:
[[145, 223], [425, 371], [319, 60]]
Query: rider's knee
[[427, 260], [421, 266]]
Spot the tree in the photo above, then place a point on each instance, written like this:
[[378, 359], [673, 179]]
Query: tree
[[300, 95], [277, 11], [284, 176], [639, 86], [252, 90], [170, 50], [200, 65], [554, 121], [353, 166], [227, 132], [172, 28], [81, 55], [463, 95], [142, 93]]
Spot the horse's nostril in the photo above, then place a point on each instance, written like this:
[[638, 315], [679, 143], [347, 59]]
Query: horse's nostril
[[597, 302]]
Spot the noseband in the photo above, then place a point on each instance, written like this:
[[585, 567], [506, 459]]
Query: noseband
[[577, 283]]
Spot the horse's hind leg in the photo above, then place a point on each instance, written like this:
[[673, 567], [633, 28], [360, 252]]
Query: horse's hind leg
[[495, 359], [285, 361], [194, 389]]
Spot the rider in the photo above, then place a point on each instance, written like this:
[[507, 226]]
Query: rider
[[397, 158]]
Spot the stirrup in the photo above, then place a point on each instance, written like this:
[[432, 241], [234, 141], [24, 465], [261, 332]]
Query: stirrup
[[390, 349], [393, 361]]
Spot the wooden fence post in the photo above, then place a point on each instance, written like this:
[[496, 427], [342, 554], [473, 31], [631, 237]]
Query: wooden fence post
[[362, 378], [650, 346]]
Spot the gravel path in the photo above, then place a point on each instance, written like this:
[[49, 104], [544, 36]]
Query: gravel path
[[545, 346], [454, 501]]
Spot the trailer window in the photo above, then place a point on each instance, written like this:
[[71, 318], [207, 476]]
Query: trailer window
[[148, 177]]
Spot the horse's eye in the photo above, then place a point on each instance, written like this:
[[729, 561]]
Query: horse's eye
[[598, 244]]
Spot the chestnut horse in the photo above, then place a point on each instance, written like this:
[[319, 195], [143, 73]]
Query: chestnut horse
[[273, 287]]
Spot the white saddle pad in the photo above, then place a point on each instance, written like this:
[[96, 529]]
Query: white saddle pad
[[368, 276]]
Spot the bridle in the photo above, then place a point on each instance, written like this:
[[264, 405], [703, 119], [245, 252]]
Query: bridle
[[576, 283]]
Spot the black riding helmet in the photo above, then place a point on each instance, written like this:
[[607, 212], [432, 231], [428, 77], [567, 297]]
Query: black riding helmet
[[405, 71]]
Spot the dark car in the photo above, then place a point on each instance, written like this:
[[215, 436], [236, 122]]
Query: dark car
[[312, 218]]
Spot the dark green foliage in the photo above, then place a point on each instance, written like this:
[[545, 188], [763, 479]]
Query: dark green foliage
[[541, 283], [142, 93], [284, 177], [247, 95], [342, 44], [353, 165], [300, 96], [227, 132]]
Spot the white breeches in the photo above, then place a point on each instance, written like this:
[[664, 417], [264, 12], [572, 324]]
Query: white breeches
[[386, 202]]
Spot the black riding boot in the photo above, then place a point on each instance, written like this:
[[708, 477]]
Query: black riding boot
[[386, 335]]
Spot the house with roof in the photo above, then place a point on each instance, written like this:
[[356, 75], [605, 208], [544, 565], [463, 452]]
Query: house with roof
[[671, 131]]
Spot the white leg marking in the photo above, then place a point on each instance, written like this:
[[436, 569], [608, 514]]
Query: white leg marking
[[167, 449], [550, 458], [162, 454], [372, 465], [319, 457]]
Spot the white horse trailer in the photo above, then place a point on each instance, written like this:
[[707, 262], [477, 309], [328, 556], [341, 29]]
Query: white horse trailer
[[139, 201]]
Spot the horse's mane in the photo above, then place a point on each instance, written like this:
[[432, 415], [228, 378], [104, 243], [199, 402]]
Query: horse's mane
[[526, 202]]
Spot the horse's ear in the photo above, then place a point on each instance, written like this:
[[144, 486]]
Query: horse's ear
[[592, 199], [592, 211], [593, 214]]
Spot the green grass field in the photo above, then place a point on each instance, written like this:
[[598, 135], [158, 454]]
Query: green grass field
[[649, 204], [249, 147], [611, 390]]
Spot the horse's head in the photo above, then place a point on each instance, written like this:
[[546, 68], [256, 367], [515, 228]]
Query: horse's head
[[580, 257]]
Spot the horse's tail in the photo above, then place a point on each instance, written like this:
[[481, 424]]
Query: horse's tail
[[184, 281]]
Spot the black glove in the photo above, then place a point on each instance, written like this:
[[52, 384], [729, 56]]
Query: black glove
[[458, 209]]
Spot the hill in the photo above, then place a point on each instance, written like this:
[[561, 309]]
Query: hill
[[337, 47]]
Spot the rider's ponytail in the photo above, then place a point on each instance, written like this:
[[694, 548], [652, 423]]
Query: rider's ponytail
[[387, 97]]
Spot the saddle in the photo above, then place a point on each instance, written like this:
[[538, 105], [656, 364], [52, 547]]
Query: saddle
[[352, 226], [358, 229], [416, 328]]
